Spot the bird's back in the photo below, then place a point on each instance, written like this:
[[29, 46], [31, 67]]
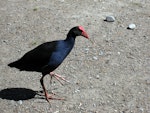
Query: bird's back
[[35, 59], [44, 58]]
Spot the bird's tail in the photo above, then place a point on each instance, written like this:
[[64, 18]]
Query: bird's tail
[[24, 66], [16, 64]]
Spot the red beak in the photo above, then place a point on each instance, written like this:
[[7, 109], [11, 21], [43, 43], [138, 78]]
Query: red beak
[[85, 34]]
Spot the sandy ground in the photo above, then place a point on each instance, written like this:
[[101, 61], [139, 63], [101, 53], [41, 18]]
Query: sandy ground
[[111, 76]]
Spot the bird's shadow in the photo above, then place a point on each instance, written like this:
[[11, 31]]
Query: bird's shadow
[[17, 94]]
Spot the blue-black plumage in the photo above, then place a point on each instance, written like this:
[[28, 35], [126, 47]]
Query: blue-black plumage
[[48, 56]]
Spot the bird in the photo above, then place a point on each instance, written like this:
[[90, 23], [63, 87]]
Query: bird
[[46, 57]]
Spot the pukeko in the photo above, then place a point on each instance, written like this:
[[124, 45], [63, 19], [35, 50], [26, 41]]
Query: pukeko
[[48, 56]]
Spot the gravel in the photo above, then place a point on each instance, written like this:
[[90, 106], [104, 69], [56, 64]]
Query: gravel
[[109, 76]]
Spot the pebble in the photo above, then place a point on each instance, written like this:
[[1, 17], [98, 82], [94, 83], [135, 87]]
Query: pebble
[[94, 105], [86, 50], [110, 18], [95, 58], [118, 53], [62, 0], [77, 90], [142, 110], [97, 76], [116, 111], [101, 53], [90, 77], [20, 102], [56, 112], [148, 81], [132, 26]]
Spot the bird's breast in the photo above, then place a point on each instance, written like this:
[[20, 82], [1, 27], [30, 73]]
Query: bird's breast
[[58, 56]]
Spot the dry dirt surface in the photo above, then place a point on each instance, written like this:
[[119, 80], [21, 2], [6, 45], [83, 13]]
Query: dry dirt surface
[[110, 76]]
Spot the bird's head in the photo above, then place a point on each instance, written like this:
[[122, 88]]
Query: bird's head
[[78, 31]]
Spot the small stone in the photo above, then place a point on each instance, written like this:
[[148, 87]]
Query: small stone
[[86, 50], [62, 0], [80, 104], [56, 112], [97, 76], [115, 111], [148, 81], [118, 53], [90, 77], [95, 58], [77, 90], [142, 110], [20, 102], [110, 18], [101, 53], [132, 26], [94, 105]]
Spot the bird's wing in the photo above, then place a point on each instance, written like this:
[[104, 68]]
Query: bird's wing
[[41, 54]]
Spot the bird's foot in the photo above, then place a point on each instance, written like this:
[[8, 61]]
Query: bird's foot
[[50, 97], [58, 77]]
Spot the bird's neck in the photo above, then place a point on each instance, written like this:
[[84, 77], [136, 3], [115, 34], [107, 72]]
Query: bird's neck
[[70, 40]]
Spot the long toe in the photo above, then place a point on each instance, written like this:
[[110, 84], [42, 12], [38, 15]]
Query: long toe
[[58, 77], [51, 97]]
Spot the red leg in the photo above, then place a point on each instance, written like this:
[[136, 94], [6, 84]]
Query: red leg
[[44, 89], [47, 96]]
